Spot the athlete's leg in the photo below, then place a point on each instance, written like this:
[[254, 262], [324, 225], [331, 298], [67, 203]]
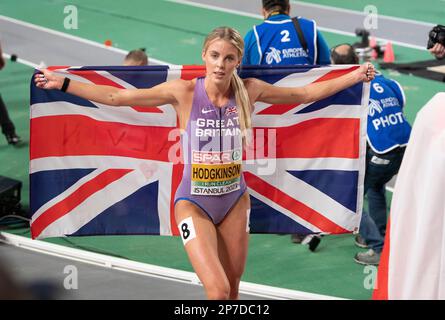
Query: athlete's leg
[[233, 239], [203, 251]]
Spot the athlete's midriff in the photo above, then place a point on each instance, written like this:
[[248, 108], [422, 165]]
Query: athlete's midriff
[[212, 152]]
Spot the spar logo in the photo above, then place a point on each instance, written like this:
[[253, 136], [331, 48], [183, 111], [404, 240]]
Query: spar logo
[[236, 155], [216, 157]]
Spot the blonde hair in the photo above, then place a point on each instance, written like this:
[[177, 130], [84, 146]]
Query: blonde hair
[[237, 85]]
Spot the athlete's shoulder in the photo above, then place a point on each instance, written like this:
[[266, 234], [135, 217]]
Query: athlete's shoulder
[[250, 83], [254, 87], [183, 85]]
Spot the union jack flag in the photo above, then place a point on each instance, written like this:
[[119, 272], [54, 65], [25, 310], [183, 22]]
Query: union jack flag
[[231, 110], [102, 170]]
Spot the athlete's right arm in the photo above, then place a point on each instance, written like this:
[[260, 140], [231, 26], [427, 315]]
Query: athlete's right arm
[[165, 93]]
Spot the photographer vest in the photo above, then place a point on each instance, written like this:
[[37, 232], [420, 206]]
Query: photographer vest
[[387, 125]]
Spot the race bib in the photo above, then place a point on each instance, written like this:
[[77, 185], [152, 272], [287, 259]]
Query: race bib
[[215, 173]]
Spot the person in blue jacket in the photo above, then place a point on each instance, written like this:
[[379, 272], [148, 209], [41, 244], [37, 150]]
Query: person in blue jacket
[[282, 40], [388, 133]]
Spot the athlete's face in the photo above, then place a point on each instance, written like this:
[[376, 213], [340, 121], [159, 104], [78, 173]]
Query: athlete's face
[[221, 59]]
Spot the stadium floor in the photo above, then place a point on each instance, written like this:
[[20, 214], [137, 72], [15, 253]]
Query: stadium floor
[[158, 26]]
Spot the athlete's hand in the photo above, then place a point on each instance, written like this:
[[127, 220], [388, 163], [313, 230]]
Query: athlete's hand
[[438, 50], [48, 80], [366, 72]]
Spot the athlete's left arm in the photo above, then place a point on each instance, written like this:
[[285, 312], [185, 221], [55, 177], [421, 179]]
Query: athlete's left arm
[[264, 92]]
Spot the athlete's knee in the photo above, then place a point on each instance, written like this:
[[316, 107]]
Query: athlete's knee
[[219, 291], [218, 295], [235, 273]]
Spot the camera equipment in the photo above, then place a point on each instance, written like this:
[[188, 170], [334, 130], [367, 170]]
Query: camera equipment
[[362, 49], [366, 50], [436, 35], [365, 38], [9, 196]]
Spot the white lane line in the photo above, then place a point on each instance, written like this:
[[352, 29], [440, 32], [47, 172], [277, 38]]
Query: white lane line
[[399, 43], [319, 6], [22, 61], [216, 8], [360, 13], [75, 38], [258, 16], [149, 270]]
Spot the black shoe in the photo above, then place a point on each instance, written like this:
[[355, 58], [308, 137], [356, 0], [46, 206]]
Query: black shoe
[[313, 244], [12, 138], [313, 241]]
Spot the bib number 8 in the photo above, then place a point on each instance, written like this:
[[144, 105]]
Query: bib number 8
[[185, 231]]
